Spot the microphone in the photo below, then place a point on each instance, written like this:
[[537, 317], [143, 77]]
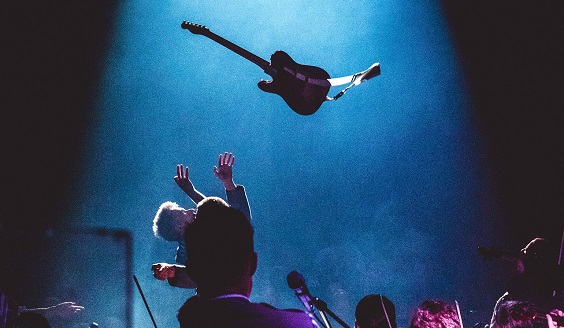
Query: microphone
[[297, 282]]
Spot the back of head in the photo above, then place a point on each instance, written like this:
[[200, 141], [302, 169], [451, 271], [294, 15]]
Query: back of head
[[211, 203], [31, 320], [435, 314], [218, 244], [515, 314], [540, 257], [375, 311]]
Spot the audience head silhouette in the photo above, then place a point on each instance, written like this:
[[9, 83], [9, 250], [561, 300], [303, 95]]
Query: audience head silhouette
[[375, 311], [220, 249], [515, 314], [540, 258]]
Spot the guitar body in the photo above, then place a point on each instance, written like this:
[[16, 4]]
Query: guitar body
[[291, 83]]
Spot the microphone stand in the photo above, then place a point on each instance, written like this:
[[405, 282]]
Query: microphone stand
[[144, 301], [322, 307]]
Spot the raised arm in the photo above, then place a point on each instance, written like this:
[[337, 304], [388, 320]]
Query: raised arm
[[224, 170], [62, 310], [236, 195], [175, 274], [183, 181]]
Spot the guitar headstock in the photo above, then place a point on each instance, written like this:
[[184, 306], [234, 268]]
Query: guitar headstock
[[194, 28]]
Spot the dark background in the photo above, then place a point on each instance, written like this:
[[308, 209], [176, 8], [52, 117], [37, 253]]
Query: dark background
[[50, 75], [512, 55]]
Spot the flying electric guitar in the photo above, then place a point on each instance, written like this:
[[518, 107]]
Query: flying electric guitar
[[304, 88]]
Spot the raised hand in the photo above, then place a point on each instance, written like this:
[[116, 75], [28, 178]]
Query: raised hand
[[182, 178], [224, 170]]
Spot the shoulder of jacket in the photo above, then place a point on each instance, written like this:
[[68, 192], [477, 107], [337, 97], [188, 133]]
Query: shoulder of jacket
[[285, 310]]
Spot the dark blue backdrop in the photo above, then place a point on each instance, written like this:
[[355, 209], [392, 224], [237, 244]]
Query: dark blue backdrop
[[389, 189]]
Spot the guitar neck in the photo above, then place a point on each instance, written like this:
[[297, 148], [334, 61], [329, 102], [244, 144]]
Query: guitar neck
[[241, 52]]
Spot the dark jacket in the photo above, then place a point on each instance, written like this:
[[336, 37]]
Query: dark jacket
[[239, 312]]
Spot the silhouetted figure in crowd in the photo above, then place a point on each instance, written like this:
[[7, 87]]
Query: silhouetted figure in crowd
[[31, 320], [171, 219], [435, 314], [539, 281], [222, 261], [375, 311], [12, 313], [522, 314]]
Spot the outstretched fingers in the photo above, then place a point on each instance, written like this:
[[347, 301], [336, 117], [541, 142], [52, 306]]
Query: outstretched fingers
[[224, 168], [181, 172], [230, 159], [226, 159]]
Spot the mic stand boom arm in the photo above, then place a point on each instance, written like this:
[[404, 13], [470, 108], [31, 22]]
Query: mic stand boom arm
[[322, 307]]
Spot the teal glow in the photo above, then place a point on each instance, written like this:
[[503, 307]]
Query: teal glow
[[377, 192]]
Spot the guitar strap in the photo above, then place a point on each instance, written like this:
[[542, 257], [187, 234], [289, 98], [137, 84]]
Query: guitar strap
[[359, 77], [354, 79]]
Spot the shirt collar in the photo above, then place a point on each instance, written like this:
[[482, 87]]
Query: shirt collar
[[229, 296]]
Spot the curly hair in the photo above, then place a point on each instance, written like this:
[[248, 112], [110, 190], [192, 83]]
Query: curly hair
[[435, 314], [168, 225], [515, 314]]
